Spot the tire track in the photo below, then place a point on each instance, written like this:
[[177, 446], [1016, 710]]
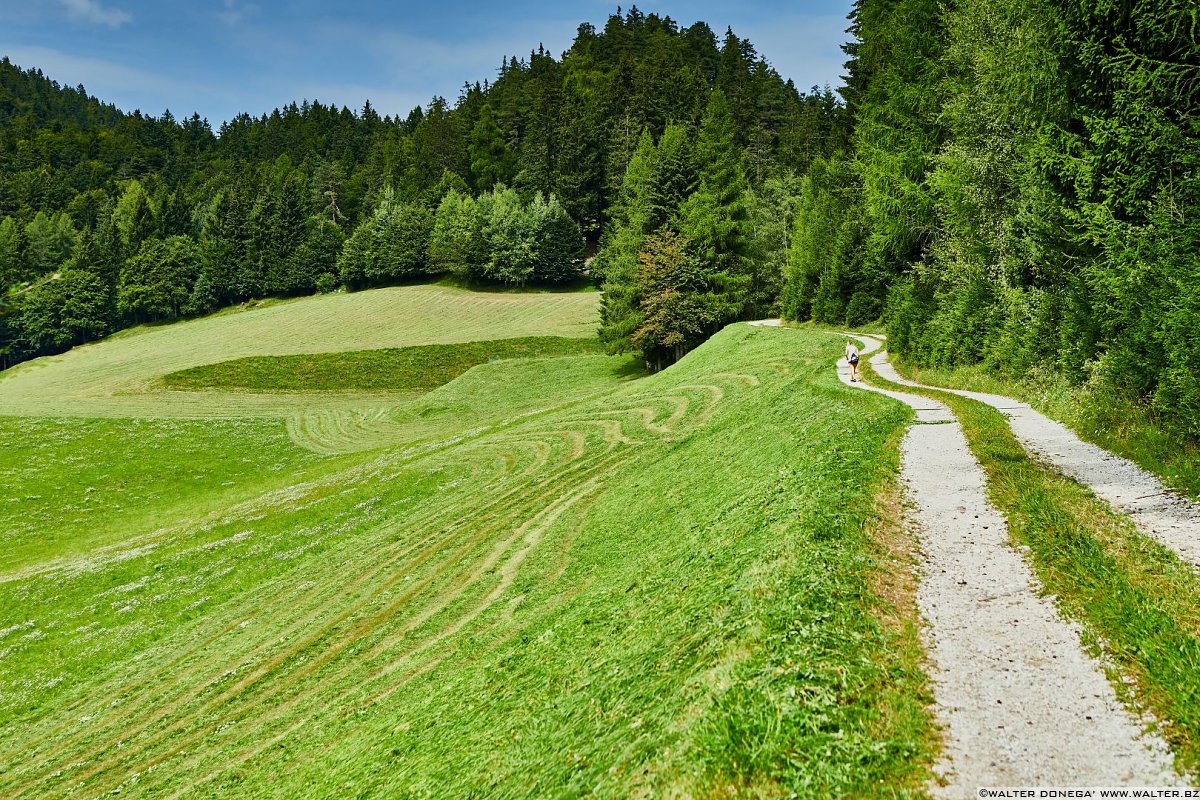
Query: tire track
[[1157, 511], [1022, 704]]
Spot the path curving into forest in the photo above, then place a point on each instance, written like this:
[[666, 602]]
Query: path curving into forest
[[1159, 512], [1021, 702]]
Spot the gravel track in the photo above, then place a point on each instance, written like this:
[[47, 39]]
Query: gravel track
[[1021, 703], [1158, 512]]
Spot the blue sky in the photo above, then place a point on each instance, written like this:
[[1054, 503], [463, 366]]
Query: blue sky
[[222, 57]]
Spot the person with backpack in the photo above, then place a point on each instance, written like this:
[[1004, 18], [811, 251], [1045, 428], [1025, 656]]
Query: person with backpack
[[852, 360]]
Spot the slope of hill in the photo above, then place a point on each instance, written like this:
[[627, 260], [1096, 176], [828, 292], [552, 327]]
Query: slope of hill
[[628, 590], [121, 375]]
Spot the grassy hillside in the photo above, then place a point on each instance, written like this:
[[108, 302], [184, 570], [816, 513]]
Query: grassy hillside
[[637, 587], [403, 369], [121, 376]]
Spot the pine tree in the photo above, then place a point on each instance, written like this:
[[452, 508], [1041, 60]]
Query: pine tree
[[13, 253], [175, 216], [157, 282], [49, 239], [715, 219], [580, 169], [134, 217], [224, 245], [491, 161], [556, 244], [616, 263], [674, 176], [60, 313]]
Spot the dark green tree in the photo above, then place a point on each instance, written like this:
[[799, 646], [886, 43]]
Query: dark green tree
[[156, 283], [715, 219], [491, 160]]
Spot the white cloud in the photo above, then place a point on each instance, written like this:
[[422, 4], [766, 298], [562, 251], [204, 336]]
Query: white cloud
[[233, 13], [93, 13]]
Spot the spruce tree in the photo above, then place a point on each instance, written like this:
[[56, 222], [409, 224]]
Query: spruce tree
[[616, 263], [491, 160], [556, 243], [134, 217], [715, 219], [14, 248]]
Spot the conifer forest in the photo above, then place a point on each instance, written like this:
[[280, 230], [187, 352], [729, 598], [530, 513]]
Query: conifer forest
[[1012, 183]]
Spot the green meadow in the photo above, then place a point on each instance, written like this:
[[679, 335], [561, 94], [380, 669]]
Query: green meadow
[[548, 576]]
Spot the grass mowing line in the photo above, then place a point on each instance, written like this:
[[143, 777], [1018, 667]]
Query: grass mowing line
[[506, 500], [531, 535], [1134, 598], [674, 419], [552, 512], [377, 697], [430, 550], [363, 628], [358, 630], [332, 431], [405, 369], [240, 510]]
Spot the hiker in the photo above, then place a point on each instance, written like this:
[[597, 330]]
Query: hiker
[[852, 360]]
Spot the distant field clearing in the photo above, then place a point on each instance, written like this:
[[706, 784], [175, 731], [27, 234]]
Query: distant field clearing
[[120, 376], [403, 369]]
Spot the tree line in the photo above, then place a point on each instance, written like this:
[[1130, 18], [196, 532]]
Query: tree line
[[1021, 190], [109, 219], [1004, 182]]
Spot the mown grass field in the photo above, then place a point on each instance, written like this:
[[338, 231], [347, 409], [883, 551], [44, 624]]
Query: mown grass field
[[549, 578], [122, 375]]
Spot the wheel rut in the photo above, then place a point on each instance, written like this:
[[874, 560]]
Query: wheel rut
[[1162, 514], [1021, 702]]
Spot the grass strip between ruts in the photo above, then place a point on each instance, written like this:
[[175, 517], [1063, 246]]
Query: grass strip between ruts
[[1136, 601]]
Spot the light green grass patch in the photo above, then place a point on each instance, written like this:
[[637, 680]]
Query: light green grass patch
[[653, 589], [73, 485], [395, 370], [121, 376]]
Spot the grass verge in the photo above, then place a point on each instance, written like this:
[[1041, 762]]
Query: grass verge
[[397, 369], [1135, 599]]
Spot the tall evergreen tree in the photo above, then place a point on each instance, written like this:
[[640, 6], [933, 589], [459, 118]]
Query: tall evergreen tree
[[616, 263], [715, 219], [14, 248], [491, 161]]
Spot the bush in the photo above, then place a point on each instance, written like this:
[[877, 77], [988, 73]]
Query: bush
[[863, 308], [327, 282]]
